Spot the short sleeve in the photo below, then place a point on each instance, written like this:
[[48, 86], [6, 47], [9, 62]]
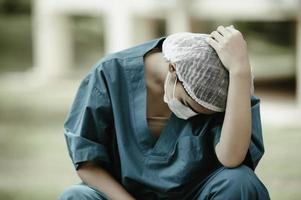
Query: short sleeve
[[256, 148], [88, 121]]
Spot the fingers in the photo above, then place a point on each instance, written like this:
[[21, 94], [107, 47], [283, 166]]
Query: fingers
[[224, 31], [213, 43], [230, 46], [230, 28], [217, 36], [233, 30], [220, 35]]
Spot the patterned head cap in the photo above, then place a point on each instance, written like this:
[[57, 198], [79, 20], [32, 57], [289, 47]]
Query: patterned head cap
[[199, 68]]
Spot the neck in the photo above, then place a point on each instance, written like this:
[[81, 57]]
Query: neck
[[157, 68]]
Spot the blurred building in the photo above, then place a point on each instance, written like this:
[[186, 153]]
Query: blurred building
[[128, 22]]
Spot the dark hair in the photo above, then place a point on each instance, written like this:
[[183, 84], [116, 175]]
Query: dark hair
[[157, 49], [154, 50]]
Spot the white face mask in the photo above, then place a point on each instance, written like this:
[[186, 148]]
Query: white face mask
[[175, 105]]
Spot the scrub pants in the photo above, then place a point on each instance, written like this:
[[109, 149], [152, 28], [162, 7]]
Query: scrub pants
[[224, 183]]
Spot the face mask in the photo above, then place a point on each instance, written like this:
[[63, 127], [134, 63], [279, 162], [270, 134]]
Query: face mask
[[175, 105]]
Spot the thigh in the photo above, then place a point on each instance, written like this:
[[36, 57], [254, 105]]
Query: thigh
[[81, 191], [233, 183]]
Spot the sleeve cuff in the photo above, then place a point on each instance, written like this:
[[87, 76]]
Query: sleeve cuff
[[81, 149]]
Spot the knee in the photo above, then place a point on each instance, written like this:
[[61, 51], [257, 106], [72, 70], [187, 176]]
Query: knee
[[243, 182], [75, 192], [239, 176], [235, 183]]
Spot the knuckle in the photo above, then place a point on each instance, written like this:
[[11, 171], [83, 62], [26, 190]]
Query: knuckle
[[237, 33], [220, 27]]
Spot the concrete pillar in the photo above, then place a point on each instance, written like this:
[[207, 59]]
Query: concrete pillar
[[53, 50], [119, 27], [177, 19], [145, 29]]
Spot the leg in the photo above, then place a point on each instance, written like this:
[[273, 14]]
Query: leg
[[233, 183], [82, 191]]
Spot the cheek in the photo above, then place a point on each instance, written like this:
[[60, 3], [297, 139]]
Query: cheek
[[197, 106], [180, 92]]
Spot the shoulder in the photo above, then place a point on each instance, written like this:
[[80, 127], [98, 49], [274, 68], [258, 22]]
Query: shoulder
[[114, 65], [120, 57]]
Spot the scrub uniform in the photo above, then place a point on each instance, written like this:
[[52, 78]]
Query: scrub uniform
[[107, 123]]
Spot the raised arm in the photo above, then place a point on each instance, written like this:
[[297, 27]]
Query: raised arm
[[236, 130]]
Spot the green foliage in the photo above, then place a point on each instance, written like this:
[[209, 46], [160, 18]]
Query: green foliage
[[15, 6], [281, 33]]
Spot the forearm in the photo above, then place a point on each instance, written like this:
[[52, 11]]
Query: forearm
[[236, 131], [104, 181]]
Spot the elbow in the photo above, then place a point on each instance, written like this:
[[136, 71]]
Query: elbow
[[230, 163], [229, 160]]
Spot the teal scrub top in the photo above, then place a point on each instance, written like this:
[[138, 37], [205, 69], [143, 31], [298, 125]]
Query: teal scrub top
[[107, 124]]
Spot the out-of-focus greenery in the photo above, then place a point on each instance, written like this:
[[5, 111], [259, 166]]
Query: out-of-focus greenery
[[88, 41], [34, 162], [280, 167], [281, 33], [272, 48], [16, 42], [15, 6]]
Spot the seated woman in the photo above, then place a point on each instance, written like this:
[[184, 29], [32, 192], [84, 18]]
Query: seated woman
[[171, 118]]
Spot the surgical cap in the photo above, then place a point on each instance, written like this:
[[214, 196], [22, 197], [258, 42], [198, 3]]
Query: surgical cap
[[199, 68]]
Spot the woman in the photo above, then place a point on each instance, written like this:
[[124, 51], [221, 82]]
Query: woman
[[172, 118]]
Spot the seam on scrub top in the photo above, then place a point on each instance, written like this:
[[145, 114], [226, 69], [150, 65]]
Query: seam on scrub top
[[141, 55], [133, 114]]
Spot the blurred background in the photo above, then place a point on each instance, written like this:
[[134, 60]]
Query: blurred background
[[47, 46]]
